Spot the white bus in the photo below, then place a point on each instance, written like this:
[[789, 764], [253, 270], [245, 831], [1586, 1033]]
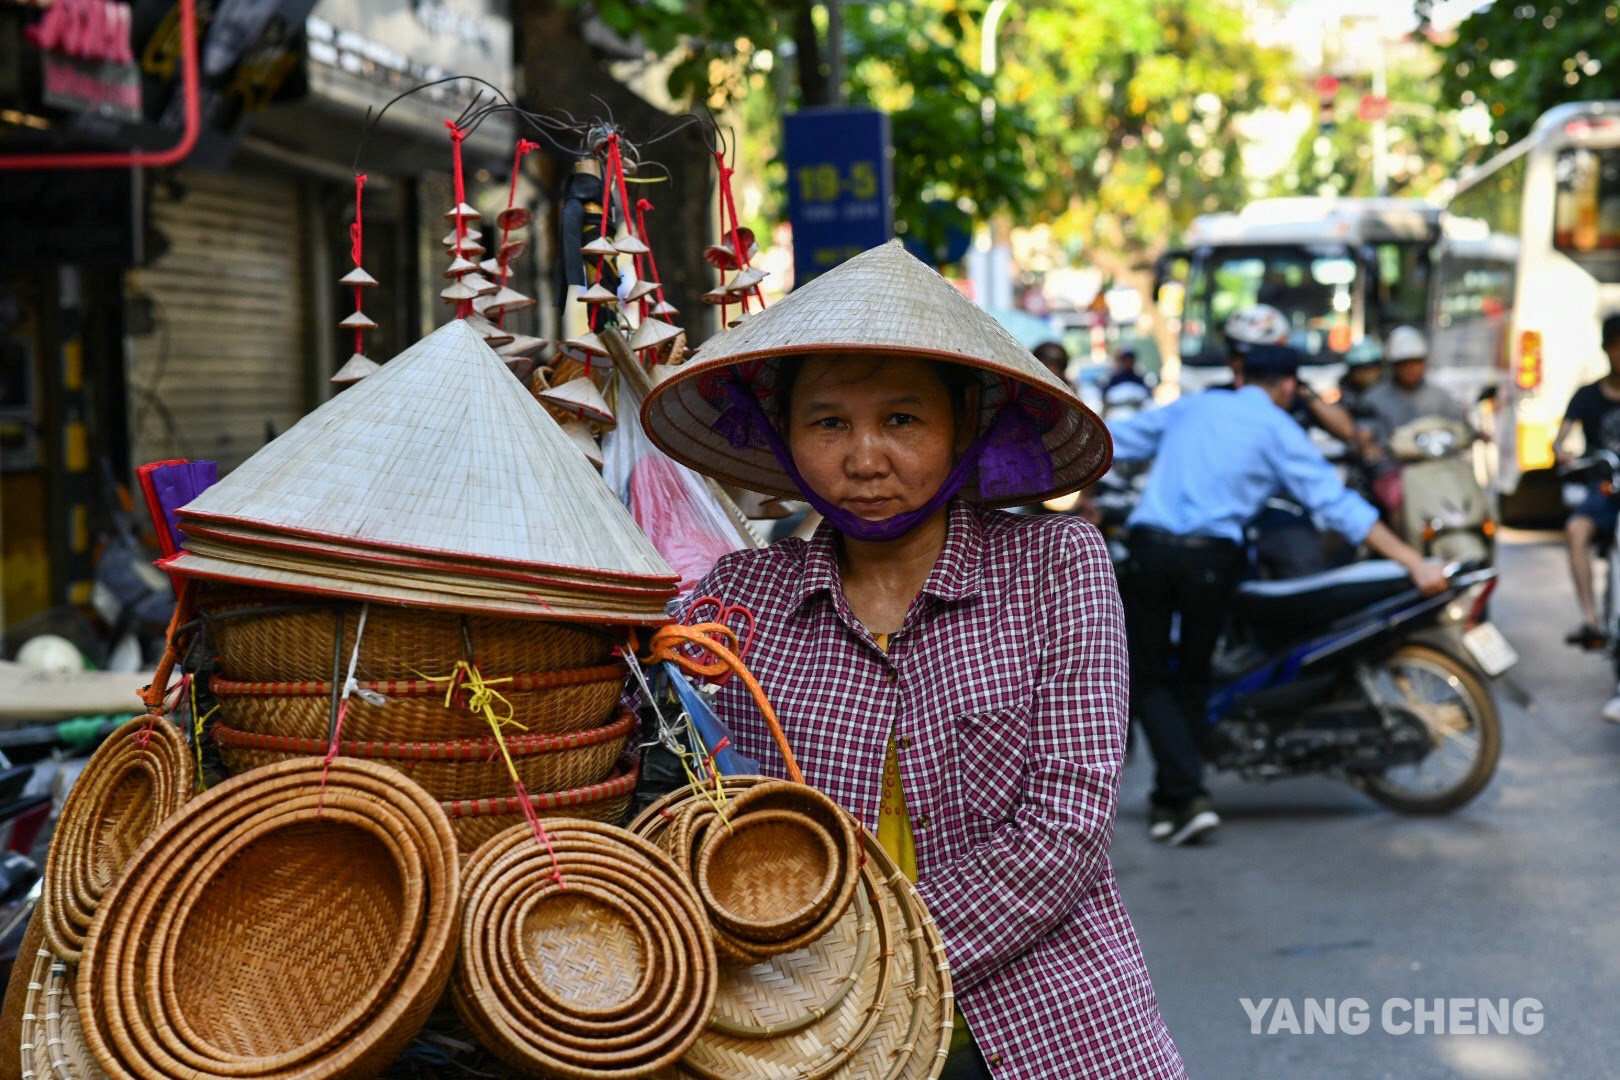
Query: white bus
[[1339, 269], [1527, 266]]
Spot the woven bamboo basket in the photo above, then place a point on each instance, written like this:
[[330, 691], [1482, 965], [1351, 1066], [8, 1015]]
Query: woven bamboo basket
[[764, 1021], [131, 784], [52, 1040], [768, 875], [514, 904], [538, 703], [475, 821], [296, 920], [459, 769], [273, 637]]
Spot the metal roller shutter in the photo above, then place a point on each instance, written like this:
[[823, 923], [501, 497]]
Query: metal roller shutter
[[225, 362]]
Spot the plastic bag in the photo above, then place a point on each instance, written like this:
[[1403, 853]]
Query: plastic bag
[[670, 502]]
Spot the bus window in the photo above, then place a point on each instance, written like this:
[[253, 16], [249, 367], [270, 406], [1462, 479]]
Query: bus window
[[1586, 216], [1311, 286], [1400, 294]]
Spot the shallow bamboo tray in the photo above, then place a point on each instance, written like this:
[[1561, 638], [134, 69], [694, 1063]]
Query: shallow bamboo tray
[[512, 898], [537, 703], [52, 1042], [273, 975], [132, 783], [768, 875], [457, 769]]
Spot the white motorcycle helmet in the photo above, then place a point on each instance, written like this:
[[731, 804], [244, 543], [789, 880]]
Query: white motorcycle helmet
[[1259, 324], [1406, 343]]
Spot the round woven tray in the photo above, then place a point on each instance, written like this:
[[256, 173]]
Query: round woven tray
[[475, 821], [131, 784], [523, 941], [297, 920], [458, 769], [538, 703], [767, 1016], [297, 644]]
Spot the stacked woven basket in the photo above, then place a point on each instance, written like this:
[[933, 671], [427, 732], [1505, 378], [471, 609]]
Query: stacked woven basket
[[559, 686]]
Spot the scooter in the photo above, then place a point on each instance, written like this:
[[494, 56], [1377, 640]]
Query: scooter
[[1435, 499], [1353, 673]]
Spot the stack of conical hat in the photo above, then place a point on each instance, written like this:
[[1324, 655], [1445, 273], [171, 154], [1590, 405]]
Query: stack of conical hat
[[436, 482]]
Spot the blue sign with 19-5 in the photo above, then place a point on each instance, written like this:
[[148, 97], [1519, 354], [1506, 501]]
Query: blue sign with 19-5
[[839, 186]]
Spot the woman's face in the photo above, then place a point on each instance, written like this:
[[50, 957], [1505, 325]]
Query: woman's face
[[873, 437]]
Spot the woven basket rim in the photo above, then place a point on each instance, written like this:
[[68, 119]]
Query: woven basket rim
[[449, 750], [621, 782], [542, 680]]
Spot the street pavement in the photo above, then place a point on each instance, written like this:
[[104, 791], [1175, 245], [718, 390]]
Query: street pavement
[[1311, 892]]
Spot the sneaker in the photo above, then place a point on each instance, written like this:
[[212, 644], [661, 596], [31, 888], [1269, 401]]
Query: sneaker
[[1196, 820], [1162, 821], [1611, 711]]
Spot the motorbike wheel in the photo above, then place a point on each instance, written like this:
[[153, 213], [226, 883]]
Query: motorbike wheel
[[1460, 713]]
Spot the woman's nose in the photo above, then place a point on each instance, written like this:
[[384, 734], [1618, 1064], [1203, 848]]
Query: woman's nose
[[867, 456]]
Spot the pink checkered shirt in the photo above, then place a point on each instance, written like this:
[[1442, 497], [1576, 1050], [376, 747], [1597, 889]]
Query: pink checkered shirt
[[1005, 690]]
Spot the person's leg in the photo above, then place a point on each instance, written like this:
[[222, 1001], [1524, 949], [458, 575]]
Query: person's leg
[[1579, 532], [965, 1063], [1149, 610]]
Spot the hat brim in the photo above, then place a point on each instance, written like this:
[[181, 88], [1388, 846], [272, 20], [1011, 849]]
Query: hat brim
[[681, 418]]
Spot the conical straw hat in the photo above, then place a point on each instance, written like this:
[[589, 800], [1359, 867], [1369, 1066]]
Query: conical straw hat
[[629, 245], [480, 284], [581, 434], [723, 257], [459, 266], [747, 279], [581, 398], [664, 309], [652, 332], [358, 367], [588, 343], [513, 217], [522, 345], [358, 321], [492, 267], [457, 291], [463, 211], [640, 289], [600, 246], [357, 276], [507, 300], [598, 294], [512, 250], [493, 335], [883, 302], [441, 451]]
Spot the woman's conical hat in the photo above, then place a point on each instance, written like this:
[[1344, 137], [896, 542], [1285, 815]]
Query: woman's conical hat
[[883, 302], [440, 452]]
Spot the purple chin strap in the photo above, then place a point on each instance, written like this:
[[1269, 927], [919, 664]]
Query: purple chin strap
[[1011, 458]]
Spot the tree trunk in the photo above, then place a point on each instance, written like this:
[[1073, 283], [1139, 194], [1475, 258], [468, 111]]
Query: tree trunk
[[813, 88]]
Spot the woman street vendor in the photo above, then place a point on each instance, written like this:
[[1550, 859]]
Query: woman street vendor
[[953, 675]]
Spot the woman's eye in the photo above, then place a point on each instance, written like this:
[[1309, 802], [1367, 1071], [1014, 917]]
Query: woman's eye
[[827, 423], [901, 419]]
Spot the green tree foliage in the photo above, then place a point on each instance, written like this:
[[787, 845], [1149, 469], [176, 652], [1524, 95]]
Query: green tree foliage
[[1521, 59]]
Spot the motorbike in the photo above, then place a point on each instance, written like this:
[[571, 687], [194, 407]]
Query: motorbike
[[1435, 501], [1355, 674]]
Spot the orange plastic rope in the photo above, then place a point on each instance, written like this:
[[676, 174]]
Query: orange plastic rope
[[154, 693], [711, 637]]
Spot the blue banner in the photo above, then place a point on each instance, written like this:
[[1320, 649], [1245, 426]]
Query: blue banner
[[840, 187]]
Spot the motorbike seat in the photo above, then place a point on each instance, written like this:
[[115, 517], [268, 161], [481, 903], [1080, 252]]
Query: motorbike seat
[[1295, 606]]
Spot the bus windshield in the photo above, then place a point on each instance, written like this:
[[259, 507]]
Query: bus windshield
[[1312, 285], [1586, 217]]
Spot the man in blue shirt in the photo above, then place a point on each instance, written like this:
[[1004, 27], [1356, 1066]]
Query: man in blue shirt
[[1216, 459]]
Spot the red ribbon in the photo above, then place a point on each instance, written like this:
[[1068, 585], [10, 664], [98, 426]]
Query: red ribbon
[[356, 235], [463, 308]]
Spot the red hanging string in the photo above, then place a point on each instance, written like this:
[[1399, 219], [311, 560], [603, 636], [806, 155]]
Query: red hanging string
[[624, 196], [523, 147], [356, 236], [642, 206], [464, 307], [728, 211]]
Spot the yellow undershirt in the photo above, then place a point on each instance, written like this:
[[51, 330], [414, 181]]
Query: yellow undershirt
[[894, 835]]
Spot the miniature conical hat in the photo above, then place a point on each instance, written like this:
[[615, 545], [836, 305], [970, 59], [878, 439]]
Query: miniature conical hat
[[629, 245], [598, 294], [512, 250], [581, 434], [640, 289], [747, 279], [459, 266], [883, 302], [507, 300], [721, 295], [358, 321], [440, 452], [493, 335], [664, 309], [469, 248], [522, 345], [480, 284], [723, 257], [588, 343], [457, 291], [463, 211], [492, 267], [513, 217], [357, 276], [652, 332], [581, 397], [600, 246], [358, 367]]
